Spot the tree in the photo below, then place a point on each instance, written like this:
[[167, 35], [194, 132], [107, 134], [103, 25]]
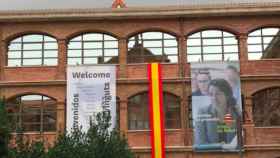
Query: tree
[[98, 142], [4, 130]]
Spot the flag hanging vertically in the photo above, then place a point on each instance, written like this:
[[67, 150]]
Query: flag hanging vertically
[[156, 111]]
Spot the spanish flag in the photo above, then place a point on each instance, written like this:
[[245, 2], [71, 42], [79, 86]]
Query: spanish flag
[[156, 111]]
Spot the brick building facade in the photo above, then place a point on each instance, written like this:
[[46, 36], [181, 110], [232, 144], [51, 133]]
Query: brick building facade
[[258, 77]]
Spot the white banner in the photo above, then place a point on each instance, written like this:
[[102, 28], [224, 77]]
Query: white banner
[[90, 89]]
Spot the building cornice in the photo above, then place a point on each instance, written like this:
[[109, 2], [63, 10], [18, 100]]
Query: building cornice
[[141, 12], [249, 78]]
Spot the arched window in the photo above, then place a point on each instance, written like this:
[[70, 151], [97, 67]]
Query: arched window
[[138, 111], [32, 113], [92, 48], [33, 50], [152, 47], [212, 45], [264, 43], [266, 107]]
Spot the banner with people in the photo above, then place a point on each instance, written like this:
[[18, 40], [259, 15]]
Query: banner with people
[[216, 106], [90, 90]]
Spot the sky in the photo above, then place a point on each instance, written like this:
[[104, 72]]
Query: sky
[[6, 5]]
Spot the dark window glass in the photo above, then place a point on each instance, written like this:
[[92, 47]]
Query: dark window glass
[[266, 107], [138, 112], [32, 113]]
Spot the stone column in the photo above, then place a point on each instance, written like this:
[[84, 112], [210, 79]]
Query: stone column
[[61, 120], [182, 55], [122, 57], [62, 59], [123, 116], [243, 50], [3, 57], [249, 126]]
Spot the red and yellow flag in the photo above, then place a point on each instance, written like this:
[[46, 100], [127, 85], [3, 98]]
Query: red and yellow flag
[[156, 111]]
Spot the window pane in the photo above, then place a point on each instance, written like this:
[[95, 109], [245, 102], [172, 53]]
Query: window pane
[[194, 58], [93, 37], [230, 41], [79, 38], [230, 49], [167, 36], [212, 33], [32, 46], [212, 49], [30, 117], [50, 53], [131, 44], [170, 51], [30, 62], [74, 61], [14, 54], [107, 37], [267, 40], [14, 62], [270, 31], [32, 54], [74, 45], [49, 39], [74, 53], [254, 48], [156, 51], [152, 44], [89, 45], [215, 44], [254, 56], [193, 42], [97, 52], [50, 62], [254, 40], [226, 34], [194, 50], [153, 48], [92, 60], [173, 59], [170, 43], [213, 57], [195, 35], [107, 59], [111, 52], [33, 38], [212, 41], [255, 33], [152, 35], [110, 44], [51, 46], [231, 57], [15, 46]]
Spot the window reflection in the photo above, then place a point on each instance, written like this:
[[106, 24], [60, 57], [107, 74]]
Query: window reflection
[[92, 48], [266, 107], [212, 45], [152, 47], [138, 113], [32, 113], [34, 49], [263, 44]]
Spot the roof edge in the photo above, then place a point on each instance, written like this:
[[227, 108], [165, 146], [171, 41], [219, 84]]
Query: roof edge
[[142, 12]]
